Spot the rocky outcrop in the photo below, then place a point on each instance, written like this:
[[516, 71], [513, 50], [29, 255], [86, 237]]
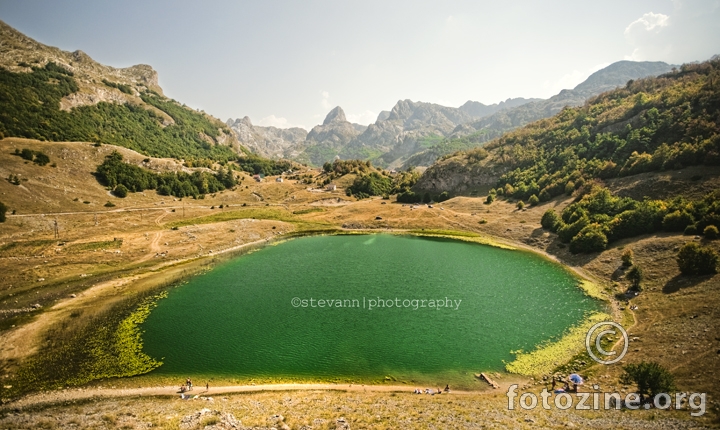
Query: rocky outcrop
[[457, 176], [269, 142]]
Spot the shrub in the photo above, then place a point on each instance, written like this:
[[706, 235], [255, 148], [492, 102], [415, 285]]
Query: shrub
[[635, 276], [567, 231], [3, 211], [520, 205], [109, 204], [120, 191], [490, 199], [693, 259], [41, 158], [710, 232], [545, 196], [551, 220], [590, 239], [627, 257], [690, 230], [534, 200], [27, 154], [677, 221], [650, 378]]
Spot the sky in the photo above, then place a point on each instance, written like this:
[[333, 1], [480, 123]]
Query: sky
[[288, 63]]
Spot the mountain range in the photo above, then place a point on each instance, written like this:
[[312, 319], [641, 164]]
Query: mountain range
[[417, 133]]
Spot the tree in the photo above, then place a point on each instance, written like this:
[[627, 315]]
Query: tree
[[551, 220], [649, 377], [533, 200], [693, 259], [627, 257], [27, 154], [710, 232], [121, 191], [520, 205], [3, 211], [41, 158], [590, 239], [635, 276], [490, 199]]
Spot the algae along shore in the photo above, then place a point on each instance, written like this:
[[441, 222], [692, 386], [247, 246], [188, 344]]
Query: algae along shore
[[530, 263]]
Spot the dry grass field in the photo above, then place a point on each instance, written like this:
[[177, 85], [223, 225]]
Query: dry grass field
[[101, 255]]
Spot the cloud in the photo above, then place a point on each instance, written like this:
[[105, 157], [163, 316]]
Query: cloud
[[363, 118], [645, 35], [647, 23], [273, 121], [325, 102]]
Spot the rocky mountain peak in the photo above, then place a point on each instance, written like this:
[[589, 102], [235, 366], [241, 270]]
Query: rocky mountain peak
[[335, 115]]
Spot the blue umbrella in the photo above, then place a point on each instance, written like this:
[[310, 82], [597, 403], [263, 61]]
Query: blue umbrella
[[576, 379]]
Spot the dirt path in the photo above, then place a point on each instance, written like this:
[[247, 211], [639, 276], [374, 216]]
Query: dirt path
[[89, 393]]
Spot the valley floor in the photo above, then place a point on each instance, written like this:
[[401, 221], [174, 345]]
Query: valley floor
[[103, 255]]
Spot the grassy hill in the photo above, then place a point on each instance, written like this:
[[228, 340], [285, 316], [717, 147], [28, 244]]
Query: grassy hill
[[52, 95], [651, 124]]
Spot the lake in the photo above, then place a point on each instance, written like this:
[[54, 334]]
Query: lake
[[360, 308]]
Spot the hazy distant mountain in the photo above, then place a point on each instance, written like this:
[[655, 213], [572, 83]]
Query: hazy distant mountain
[[269, 142], [611, 77], [417, 133]]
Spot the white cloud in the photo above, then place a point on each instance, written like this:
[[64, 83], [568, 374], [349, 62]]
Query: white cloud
[[363, 118], [645, 35], [650, 22], [273, 121], [325, 102]]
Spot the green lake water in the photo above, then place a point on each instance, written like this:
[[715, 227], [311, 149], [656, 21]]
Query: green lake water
[[240, 320]]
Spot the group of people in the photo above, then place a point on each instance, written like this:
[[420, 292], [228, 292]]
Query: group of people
[[430, 391], [189, 386], [566, 388]]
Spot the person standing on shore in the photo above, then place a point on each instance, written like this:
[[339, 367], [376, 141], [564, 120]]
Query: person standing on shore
[[207, 386]]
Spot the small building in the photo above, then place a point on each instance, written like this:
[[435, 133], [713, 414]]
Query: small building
[[331, 187], [258, 178], [279, 179]]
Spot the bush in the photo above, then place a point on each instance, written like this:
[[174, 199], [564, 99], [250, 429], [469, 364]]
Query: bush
[[534, 200], [690, 230], [693, 259], [590, 239], [490, 199], [650, 378], [544, 196], [710, 232], [627, 257], [551, 220], [520, 205], [567, 231], [109, 204], [677, 221], [120, 191], [3, 211], [635, 276], [41, 159], [27, 154]]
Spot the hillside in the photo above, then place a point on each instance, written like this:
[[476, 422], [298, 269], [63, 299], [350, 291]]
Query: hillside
[[651, 124], [49, 94]]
